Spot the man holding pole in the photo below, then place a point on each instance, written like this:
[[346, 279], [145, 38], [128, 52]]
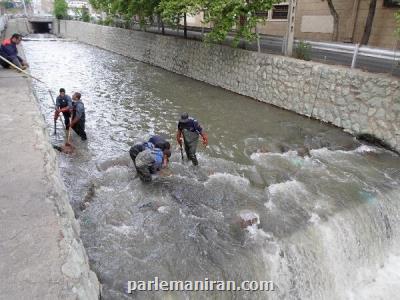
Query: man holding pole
[[78, 116], [9, 52], [64, 106], [190, 129]]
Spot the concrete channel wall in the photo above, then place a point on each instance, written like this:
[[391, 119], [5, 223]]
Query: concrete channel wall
[[41, 253], [357, 101]]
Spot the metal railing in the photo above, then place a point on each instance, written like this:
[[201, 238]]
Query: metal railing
[[356, 50], [352, 55]]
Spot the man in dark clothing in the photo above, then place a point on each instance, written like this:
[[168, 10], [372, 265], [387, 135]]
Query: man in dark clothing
[[156, 140], [9, 51], [148, 159], [64, 106], [136, 149], [160, 142], [78, 116], [190, 129]]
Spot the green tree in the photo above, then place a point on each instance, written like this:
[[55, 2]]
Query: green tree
[[397, 16], [224, 15], [60, 9], [240, 15], [369, 22], [85, 15], [7, 4], [172, 11]]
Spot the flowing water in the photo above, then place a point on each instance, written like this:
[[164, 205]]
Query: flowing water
[[327, 224]]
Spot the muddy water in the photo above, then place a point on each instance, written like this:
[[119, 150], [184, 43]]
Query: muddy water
[[328, 223]]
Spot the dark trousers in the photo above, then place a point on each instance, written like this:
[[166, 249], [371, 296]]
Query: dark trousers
[[67, 117], [191, 140], [79, 129], [134, 151], [144, 173], [14, 60]]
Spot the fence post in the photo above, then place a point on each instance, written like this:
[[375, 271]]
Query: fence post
[[353, 63], [290, 30]]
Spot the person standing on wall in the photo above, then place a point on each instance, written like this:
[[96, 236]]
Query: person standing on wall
[[78, 116], [9, 51], [64, 106], [190, 129]]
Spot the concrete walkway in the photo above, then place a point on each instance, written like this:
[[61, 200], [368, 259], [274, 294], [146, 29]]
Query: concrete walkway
[[41, 254]]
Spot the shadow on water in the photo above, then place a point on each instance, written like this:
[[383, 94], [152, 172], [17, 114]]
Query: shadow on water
[[277, 196]]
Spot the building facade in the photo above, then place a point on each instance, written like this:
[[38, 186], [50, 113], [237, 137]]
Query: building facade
[[315, 22]]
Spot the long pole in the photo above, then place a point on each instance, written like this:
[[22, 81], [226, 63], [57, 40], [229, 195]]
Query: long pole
[[26, 73]]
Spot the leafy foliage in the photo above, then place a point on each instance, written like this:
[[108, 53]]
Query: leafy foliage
[[397, 16], [223, 15], [60, 9], [85, 15], [7, 4], [241, 15], [303, 51]]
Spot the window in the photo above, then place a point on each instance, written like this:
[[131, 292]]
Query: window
[[391, 3], [280, 12]]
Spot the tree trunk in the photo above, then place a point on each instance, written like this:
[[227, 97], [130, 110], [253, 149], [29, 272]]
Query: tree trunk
[[184, 26], [368, 24], [335, 15]]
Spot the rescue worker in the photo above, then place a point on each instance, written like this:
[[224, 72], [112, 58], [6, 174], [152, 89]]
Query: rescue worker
[[156, 141], [9, 51], [190, 129], [149, 160], [64, 106], [136, 149], [159, 142], [78, 116]]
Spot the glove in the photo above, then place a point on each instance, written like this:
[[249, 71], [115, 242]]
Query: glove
[[205, 139], [65, 109], [56, 114]]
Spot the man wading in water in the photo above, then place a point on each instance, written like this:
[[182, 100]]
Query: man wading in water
[[78, 116], [149, 159], [190, 129], [64, 106], [77, 123]]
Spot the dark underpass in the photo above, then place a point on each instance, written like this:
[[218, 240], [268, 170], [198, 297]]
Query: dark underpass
[[41, 27]]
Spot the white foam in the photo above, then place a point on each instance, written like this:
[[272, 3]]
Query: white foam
[[248, 215], [263, 155], [321, 152], [123, 229], [364, 149], [326, 152], [314, 219], [383, 284], [269, 205], [290, 185], [162, 209], [228, 178]]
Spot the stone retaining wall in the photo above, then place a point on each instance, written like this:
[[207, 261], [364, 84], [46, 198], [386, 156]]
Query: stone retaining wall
[[357, 101], [46, 259]]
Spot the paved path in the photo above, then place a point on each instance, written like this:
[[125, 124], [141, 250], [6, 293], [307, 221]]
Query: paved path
[[41, 255]]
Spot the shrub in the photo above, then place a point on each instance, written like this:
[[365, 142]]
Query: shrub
[[303, 51]]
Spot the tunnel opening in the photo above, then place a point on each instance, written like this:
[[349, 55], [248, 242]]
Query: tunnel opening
[[41, 27]]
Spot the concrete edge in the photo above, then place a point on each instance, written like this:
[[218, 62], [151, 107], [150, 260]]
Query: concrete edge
[[79, 278]]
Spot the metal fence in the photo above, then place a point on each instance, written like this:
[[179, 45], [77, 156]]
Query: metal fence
[[356, 56], [351, 55]]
